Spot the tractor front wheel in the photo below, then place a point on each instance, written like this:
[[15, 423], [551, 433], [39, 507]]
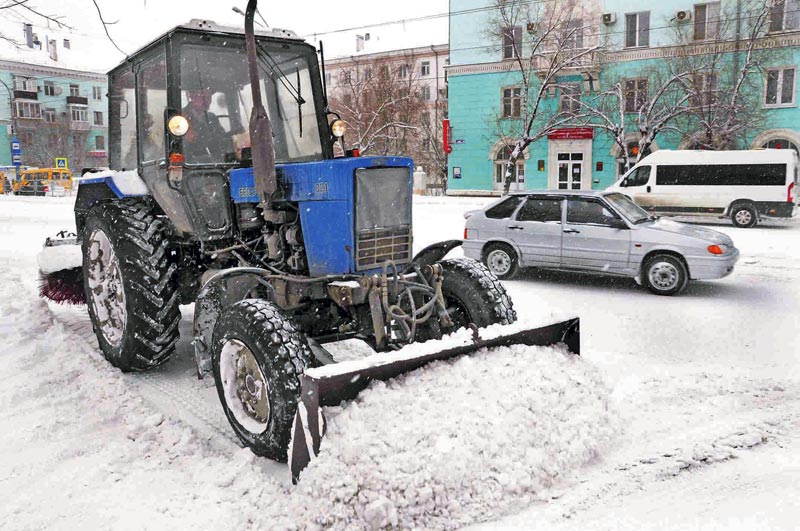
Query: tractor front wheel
[[473, 295], [258, 358]]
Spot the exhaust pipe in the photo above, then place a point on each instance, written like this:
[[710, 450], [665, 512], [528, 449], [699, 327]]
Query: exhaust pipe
[[261, 144]]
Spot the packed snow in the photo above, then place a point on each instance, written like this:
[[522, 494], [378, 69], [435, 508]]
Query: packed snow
[[681, 413]]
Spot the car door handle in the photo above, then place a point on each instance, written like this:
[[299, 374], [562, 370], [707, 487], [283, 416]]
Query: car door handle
[[572, 231], [648, 189], [515, 227]]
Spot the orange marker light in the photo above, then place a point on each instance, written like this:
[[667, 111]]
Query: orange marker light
[[715, 249], [176, 158]]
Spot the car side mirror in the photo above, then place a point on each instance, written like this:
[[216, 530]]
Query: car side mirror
[[624, 183]]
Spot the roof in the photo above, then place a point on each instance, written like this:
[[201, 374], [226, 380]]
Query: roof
[[583, 193], [690, 157]]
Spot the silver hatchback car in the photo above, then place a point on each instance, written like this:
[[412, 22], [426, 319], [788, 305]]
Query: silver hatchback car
[[600, 232]]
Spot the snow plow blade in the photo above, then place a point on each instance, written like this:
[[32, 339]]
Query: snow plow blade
[[331, 384]]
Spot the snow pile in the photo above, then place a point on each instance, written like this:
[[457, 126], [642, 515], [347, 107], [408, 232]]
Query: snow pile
[[59, 257], [127, 182], [457, 442]]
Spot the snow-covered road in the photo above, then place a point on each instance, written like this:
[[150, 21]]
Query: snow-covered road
[[697, 397]]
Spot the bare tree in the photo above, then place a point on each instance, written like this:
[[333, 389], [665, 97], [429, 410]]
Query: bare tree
[[727, 72], [383, 106], [543, 40], [648, 105], [432, 155]]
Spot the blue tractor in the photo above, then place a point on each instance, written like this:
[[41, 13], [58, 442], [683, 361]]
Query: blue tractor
[[225, 192]]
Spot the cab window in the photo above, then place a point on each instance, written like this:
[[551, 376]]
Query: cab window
[[638, 177], [541, 209]]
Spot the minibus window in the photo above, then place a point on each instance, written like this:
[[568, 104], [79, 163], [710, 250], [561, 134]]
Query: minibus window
[[638, 177]]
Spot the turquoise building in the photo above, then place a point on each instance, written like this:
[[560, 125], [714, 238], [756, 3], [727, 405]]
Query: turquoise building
[[637, 38], [54, 112]]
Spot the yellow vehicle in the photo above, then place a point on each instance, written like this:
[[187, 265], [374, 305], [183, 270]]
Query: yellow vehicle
[[44, 181]]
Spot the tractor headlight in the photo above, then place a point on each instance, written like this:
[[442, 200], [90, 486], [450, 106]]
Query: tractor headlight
[[338, 128], [178, 125]]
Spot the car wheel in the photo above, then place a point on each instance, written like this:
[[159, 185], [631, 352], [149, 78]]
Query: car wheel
[[744, 216], [665, 275], [501, 260]]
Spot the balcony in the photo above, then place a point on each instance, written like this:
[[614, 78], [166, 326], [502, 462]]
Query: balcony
[[75, 125], [77, 100], [26, 95]]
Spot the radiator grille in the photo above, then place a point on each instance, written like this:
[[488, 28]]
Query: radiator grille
[[375, 246]]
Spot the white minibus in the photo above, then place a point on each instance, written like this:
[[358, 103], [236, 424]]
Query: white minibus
[[745, 186]]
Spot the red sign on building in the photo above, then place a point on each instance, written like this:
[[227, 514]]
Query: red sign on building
[[571, 133]]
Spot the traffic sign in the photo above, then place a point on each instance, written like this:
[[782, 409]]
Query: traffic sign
[[16, 159], [61, 162]]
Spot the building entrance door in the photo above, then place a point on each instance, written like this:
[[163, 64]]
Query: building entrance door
[[570, 171]]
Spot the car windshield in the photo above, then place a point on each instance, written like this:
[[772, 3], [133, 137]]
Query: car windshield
[[217, 100], [632, 212]]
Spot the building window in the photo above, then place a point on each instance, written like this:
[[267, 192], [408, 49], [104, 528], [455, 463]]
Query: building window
[[100, 143], [635, 94], [501, 166], [74, 90], [77, 144], [66, 44], [425, 68], [49, 88], [97, 93], [512, 102], [347, 78], [25, 84], [573, 34], [367, 74], [704, 89], [403, 71], [98, 118], [512, 42], [785, 15], [779, 89], [781, 143], [49, 115], [79, 114], [706, 21], [28, 109], [327, 79], [425, 93], [637, 29], [570, 101]]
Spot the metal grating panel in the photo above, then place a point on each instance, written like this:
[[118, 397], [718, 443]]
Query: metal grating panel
[[376, 246]]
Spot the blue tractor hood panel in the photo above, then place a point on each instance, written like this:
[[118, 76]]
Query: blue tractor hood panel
[[326, 193]]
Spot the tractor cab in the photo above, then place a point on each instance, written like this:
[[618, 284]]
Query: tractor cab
[[180, 108]]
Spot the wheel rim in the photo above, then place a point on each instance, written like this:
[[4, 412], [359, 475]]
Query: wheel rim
[[107, 295], [245, 387], [664, 275], [499, 262], [743, 216]]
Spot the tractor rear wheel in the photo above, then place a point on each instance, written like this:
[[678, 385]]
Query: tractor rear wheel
[[472, 294], [258, 358], [129, 272]]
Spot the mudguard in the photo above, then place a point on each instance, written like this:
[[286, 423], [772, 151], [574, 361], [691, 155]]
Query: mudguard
[[433, 253]]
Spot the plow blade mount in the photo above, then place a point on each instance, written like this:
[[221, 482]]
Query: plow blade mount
[[331, 384]]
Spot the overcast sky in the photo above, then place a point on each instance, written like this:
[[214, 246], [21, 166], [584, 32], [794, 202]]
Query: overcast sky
[[139, 21]]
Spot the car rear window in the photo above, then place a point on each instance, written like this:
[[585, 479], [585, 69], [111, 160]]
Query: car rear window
[[540, 209], [505, 208]]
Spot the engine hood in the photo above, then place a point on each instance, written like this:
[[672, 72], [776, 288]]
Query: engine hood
[[675, 227]]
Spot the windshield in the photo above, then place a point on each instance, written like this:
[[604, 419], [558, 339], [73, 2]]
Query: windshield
[[217, 100], [632, 212]]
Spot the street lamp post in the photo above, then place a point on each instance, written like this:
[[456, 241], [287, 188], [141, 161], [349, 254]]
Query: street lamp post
[[16, 152]]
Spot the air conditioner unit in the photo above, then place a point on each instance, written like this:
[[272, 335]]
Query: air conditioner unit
[[683, 16], [609, 18]]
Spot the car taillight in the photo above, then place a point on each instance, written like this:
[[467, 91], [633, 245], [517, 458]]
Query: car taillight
[[790, 193], [465, 233], [715, 249], [46, 189]]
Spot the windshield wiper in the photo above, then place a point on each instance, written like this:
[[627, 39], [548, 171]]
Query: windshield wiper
[[642, 220]]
